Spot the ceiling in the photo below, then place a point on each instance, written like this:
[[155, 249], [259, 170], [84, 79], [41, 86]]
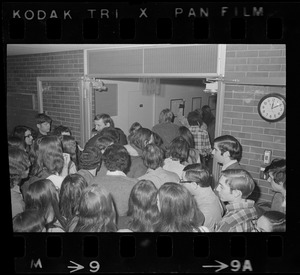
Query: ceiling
[[21, 49]]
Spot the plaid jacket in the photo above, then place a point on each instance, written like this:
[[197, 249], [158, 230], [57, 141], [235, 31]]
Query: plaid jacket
[[201, 139], [238, 217]]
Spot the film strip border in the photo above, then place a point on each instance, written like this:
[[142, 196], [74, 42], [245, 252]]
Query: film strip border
[[121, 22], [177, 252]]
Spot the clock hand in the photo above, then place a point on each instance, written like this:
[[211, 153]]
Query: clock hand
[[276, 106]]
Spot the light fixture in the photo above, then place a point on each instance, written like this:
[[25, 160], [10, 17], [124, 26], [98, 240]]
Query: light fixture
[[96, 83], [211, 87]]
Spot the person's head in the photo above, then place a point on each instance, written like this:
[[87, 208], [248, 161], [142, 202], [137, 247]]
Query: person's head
[[16, 142], [197, 173], [96, 211], [111, 133], [178, 149], [116, 158], [103, 141], [187, 135], [157, 140], [48, 155], [43, 196], [102, 121], [276, 174], [69, 195], [43, 123], [90, 158], [166, 115], [30, 220], [142, 206], [133, 128], [178, 210], [227, 148], [207, 115], [271, 221], [62, 131], [19, 165], [194, 119], [234, 185], [153, 156], [24, 133], [69, 146], [141, 138]]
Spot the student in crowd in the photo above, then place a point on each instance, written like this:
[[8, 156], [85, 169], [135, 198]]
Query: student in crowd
[[153, 157], [196, 179], [69, 195], [25, 134], [102, 121], [96, 212], [89, 163], [61, 131], [69, 146], [235, 185], [142, 208], [42, 195], [271, 221], [227, 151], [16, 142], [176, 155], [276, 176], [30, 220], [133, 128], [43, 123], [117, 161], [178, 210], [210, 121], [141, 138], [48, 162], [194, 154], [201, 137], [18, 169], [165, 128]]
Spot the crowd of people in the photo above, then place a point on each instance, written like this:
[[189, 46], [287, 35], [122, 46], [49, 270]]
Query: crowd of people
[[150, 180]]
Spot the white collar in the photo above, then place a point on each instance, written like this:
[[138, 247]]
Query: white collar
[[224, 167], [115, 173]]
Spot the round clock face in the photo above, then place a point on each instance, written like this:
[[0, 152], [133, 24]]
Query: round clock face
[[272, 107]]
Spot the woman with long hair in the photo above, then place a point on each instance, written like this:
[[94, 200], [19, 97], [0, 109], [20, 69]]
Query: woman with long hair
[[69, 146], [43, 196], [25, 134], [69, 195], [96, 212], [178, 210], [30, 220]]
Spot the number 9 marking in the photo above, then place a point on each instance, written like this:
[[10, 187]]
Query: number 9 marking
[[95, 266]]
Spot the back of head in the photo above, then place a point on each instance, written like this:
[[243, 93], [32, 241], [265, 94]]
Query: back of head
[[112, 133], [141, 138], [230, 144], [178, 149], [198, 173], [90, 158], [153, 156], [29, 221], [187, 135], [207, 115], [61, 130], [106, 119], [239, 179], [116, 158], [278, 168], [166, 115], [194, 118], [277, 220]]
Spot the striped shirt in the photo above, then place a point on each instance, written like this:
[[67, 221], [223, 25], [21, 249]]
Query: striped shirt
[[201, 139], [238, 217]]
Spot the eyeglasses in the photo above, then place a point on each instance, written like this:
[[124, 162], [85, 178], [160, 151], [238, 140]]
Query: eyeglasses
[[30, 135]]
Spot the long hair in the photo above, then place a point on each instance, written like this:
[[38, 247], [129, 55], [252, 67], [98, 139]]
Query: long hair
[[69, 195], [142, 207], [166, 115], [178, 209], [187, 135], [42, 195], [47, 154], [133, 128], [16, 142], [19, 131], [278, 168], [18, 164], [153, 156], [141, 138], [207, 115], [69, 146], [29, 221], [178, 149], [96, 211]]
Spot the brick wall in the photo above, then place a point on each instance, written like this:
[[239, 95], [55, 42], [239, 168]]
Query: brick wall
[[61, 102], [240, 117]]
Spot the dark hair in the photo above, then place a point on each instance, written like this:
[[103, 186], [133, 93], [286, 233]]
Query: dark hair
[[30, 220], [96, 211], [41, 118], [16, 142], [178, 149], [187, 135], [157, 140], [153, 156], [277, 220], [194, 118], [42, 195], [110, 132], [69, 146], [69, 195], [178, 209], [116, 158], [141, 137], [231, 144], [198, 173], [103, 141], [133, 128], [18, 164], [142, 207], [90, 158], [20, 130], [58, 130], [278, 168], [106, 119], [207, 115]]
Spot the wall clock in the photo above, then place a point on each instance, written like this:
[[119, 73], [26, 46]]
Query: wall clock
[[272, 107]]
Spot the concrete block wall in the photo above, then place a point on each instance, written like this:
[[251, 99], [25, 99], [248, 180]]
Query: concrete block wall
[[61, 102], [241, 118]]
